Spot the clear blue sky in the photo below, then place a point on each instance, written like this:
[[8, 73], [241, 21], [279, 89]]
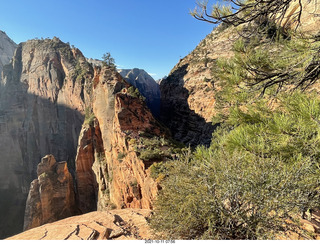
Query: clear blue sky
[[148, 34]]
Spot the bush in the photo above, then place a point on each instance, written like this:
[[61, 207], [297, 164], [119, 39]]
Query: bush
[[222, 195], [262, 168], [89, 116]]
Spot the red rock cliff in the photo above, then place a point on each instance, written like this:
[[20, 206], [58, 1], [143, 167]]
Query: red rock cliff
[[51, 196]]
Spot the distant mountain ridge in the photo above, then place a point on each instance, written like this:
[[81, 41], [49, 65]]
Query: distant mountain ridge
[[7, 48], [147, 86]]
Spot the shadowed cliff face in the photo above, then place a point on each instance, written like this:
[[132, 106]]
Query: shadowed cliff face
[[185, 124], [41, 112], [187, 94]]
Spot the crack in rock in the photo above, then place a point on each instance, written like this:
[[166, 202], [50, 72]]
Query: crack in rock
[[45, 234], [94, 234], [76, 232]]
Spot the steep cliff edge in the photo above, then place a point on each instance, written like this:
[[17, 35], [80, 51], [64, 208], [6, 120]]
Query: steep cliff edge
[[114, 140], [52, 101], [7, 47], [42, 104], [187, 94]]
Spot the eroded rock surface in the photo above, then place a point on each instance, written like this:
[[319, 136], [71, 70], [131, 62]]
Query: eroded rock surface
[[124, 179], [90, 149], [51, 196], [124, 224], [187, 94]]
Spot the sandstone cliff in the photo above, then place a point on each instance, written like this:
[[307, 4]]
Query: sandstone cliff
[[119, 141], [187, 94], [51, 196], [116, 174], [42, 103], [7, 47]]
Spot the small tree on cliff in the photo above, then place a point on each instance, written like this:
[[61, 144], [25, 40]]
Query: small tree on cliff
[[108, 61]]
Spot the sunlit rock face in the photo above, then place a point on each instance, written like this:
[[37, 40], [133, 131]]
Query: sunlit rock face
[[124, 179], [51, 196], [7, 47]]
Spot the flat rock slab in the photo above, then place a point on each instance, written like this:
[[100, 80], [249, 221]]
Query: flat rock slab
[[120, 224]]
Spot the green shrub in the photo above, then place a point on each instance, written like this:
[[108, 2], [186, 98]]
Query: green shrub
[[151, 154], [157, 169], [262, 168], [121, 156], [221, 195], [89, 116], [134, 92]]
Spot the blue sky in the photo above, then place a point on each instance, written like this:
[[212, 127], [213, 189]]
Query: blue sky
[[148, 34]]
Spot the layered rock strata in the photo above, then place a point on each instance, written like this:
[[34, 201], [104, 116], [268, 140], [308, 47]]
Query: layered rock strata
[[187, 94], [123, 179]]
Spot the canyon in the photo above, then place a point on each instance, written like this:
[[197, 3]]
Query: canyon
[[75, 138], [80, 140]]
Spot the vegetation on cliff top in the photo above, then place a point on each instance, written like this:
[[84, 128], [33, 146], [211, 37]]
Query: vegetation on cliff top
[[262, 169]]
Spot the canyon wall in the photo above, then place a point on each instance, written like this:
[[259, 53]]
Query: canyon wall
[[42, 104], [187, 94], [7, 48], [121, 178], [109, 137]]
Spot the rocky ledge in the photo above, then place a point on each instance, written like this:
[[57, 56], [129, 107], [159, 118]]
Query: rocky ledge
[[121, 224]]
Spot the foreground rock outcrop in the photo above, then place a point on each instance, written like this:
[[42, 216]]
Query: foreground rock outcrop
[[51, 196], [124, 224]]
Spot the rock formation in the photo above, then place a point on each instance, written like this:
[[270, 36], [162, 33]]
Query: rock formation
[[54, 102], [51, 196], [147, 86], [187, 94], [7, 47], [122, 224], [90, 150], [42, 104], [121, 118]]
